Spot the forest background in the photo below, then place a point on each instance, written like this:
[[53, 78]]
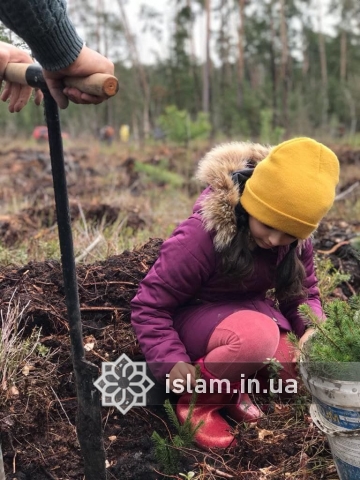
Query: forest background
[[277, 74], [267, 70]]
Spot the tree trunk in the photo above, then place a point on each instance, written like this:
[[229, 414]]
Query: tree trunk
[[343, 55], [284, 65], [206, 67], [323, 65], [273, 66], [138, 67], [193, 69], [191, 35], [305, 53], [241, 62]]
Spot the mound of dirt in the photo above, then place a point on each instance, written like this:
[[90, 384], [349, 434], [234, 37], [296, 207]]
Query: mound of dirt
[[28, 222], [37, 419]]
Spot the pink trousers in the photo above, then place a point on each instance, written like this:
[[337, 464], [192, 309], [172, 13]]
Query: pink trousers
[[243, 342]]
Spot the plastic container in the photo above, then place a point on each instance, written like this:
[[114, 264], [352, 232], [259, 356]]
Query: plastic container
[[336, 412], [344, 444], [338, 401]]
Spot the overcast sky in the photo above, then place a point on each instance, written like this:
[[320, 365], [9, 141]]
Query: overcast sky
[[147, 44], [149, 47]]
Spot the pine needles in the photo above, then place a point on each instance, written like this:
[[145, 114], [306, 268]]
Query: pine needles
[[334, 349], [168, 451]]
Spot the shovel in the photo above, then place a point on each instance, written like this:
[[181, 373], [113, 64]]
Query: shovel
[[88, 422]]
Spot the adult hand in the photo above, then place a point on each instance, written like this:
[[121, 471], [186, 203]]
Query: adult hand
[[88, 62], [18, 95], [180, 371], [308, 333]]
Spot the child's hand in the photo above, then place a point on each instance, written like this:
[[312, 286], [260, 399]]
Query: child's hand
[[308, 333], [181, 371]]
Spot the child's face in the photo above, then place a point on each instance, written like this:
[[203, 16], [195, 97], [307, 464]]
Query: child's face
[[267, 237]]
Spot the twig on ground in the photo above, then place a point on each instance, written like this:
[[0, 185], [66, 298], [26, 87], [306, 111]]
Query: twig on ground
[[166, 476], [109, 283], [98, 355], [88, 249], [351, 288], [89, 309], [2, 468], [159, 418], [334, 248], [219, 472], [62, 408], [346, 192]]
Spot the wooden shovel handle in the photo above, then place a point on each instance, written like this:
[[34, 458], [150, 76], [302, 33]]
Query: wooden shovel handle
[[98, 84]]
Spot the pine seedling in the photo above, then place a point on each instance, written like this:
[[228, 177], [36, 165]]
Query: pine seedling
[[334, 349], [167, 452], [274, 368], [166, 455], [328, 277]]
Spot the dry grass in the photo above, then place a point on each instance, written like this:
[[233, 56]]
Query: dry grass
[[16, 349], [162, 209]]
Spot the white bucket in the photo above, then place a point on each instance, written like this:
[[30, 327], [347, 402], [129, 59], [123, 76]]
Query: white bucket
[[338, 401], [344, 444]]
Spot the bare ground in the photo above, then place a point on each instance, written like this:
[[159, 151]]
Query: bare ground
[[37, 422]]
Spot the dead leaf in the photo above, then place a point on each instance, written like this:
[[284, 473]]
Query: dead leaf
[[89, 346], [264, 433], [14, 391], [27, 369], [266, 470], [304, 460], [278, 408], [38, 289]]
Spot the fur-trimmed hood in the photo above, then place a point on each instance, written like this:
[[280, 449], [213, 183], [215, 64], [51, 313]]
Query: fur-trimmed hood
[[214, 170]]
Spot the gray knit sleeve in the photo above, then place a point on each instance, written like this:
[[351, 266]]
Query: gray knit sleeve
[[46, 28]]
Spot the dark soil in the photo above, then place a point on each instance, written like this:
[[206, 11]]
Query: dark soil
[[37, 421]]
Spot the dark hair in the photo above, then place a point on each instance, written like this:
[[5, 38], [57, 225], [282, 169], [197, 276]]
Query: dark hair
[[238, 261]]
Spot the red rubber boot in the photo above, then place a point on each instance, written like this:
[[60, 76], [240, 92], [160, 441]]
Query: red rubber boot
[[215, 431], [243, 409], [238, 405]]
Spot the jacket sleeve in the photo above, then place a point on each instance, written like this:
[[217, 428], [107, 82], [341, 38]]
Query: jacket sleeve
[[290, 308], [46, 28], [185, 262]]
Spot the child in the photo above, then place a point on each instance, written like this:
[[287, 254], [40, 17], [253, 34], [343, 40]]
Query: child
[[205, 299]]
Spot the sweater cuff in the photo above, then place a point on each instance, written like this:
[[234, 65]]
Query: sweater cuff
[[58, 50]]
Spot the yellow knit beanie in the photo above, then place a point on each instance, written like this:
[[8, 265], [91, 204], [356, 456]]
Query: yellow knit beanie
[[293, 187]]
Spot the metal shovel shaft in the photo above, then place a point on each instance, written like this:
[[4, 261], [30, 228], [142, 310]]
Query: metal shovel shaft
[[89, 426], [64, 226]]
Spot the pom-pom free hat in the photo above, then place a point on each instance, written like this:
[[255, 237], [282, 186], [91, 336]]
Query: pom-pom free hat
[[293, 187]]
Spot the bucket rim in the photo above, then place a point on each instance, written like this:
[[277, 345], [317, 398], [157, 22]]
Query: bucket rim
[[303, 369], [334, 431]]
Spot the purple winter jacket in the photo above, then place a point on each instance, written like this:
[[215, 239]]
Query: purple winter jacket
[[185, 296]]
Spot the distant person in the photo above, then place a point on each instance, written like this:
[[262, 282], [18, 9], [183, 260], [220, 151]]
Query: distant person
[[107, 134], [124, 133], [204, 302], [45, 26], [40, 133]]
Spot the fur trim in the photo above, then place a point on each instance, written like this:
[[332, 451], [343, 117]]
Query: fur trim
[[215, 169]]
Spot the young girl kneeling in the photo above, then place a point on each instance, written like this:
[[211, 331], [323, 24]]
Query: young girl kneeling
[[205, 300]]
